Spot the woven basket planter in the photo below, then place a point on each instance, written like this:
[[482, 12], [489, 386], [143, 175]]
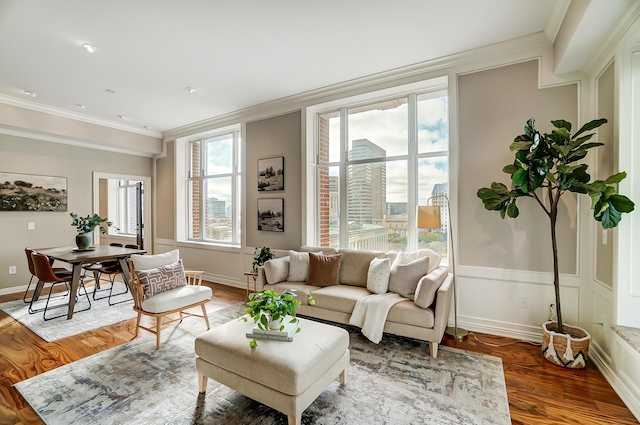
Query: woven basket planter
[[570, 349]]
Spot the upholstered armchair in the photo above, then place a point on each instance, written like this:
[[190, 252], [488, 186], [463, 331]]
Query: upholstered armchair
[[160, 286]]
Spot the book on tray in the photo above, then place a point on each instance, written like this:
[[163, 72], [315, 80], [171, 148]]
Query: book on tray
[[285, 334]]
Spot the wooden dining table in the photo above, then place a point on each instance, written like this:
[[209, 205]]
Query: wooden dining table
[[77, 258]]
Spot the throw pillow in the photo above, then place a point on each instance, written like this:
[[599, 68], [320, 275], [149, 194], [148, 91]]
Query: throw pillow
[[378, 275], [146, 262], [298, 266], [161, 279], [434, 257], [324, 270], [403, 278], [428, 286], [276, 270]]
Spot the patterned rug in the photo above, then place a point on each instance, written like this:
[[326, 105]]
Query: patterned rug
[[100, 314], [394, 382]]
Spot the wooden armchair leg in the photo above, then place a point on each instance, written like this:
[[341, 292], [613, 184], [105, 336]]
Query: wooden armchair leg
[[138, 323], [158, 325], [206, 318], [433, 349]]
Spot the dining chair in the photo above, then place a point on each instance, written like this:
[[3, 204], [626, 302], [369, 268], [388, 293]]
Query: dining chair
[[60, 271], [111, 269], [160, 286], [44, 272]]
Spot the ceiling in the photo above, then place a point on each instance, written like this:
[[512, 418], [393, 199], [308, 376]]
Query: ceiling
[[238, 54]]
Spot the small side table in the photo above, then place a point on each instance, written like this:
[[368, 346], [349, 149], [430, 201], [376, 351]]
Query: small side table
[[253, 275]]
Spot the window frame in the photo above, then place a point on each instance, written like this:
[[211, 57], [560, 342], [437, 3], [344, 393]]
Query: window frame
[[437, 86], [184, 180]]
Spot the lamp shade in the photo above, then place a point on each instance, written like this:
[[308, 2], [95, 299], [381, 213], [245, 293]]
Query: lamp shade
[[429, 217]]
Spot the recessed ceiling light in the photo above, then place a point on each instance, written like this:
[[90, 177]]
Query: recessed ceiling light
[[191, 90], [110, 91], [89, 47], [79, 105], [30, 93]]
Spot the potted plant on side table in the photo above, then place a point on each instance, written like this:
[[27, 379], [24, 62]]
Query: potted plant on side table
[[85, 227], [261, 255], [545, 168]]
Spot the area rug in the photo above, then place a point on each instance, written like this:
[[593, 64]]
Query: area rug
[[394, 382], [100, 314]]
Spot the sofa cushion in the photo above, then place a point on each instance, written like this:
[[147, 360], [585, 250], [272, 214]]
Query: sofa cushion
[[340, 298], [323, 269], [319, 249], [404, 277], [276, 270], [161, 279], [355, 266], [378, 275], [428, 286], [408, 313], [434, 257], [300, 289], [298, 266]]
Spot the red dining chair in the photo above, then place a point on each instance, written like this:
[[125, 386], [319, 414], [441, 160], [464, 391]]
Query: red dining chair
[[60, 271], [45, 273]]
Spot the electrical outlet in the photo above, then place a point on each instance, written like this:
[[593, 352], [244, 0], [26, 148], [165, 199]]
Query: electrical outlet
[[524, 302], [12, 269], [31, 225]]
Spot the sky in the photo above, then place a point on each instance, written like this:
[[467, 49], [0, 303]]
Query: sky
[[388, 129]]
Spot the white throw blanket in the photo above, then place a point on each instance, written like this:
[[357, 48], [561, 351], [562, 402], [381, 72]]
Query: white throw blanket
[[370, 314]]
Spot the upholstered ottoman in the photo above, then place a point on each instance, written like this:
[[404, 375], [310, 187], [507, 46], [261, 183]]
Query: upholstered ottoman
[[286, 376]]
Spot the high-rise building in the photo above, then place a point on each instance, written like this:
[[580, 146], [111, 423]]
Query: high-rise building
[[367, 183], [441, 201]]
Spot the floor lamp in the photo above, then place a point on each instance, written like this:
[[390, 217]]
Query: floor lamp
[[429, 218]]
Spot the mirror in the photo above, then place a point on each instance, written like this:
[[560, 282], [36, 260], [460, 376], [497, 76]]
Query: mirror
[[114, 196]]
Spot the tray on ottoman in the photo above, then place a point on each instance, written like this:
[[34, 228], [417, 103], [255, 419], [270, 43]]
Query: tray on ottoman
[[286, 376]]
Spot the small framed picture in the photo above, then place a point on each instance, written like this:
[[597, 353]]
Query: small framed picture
[[271, 214], [271, 174]]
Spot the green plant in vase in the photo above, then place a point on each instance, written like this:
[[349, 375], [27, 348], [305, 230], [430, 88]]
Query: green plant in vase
[[261, 255], [269, 310], [546, 167], [85, 226]]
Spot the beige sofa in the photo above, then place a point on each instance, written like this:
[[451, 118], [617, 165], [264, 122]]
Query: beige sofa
[[336, 302]]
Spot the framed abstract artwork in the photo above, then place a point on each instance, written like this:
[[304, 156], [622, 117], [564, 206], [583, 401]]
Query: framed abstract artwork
[[28, 192], [271, 214], [271, 174]]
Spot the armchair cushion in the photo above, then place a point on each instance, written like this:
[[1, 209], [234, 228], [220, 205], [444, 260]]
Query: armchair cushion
[[146, 262], [177, 298], [161, 279]]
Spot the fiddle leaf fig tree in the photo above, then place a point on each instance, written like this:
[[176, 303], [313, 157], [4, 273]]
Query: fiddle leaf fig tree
[[545, 167]]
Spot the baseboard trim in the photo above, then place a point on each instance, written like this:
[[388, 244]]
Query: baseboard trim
[[628, 395]]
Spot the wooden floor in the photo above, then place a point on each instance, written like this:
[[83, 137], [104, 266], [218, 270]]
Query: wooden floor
[[539, 392]]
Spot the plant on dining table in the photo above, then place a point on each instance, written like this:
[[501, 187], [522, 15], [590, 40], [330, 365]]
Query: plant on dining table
[[89, 223]]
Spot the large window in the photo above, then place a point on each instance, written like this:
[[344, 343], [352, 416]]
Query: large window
[[377, 159], [213, 188]]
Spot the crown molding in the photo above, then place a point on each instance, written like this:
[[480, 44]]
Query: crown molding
[[30, 134], [556, 17], [21, 103], [397, 76], [619, 35]]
